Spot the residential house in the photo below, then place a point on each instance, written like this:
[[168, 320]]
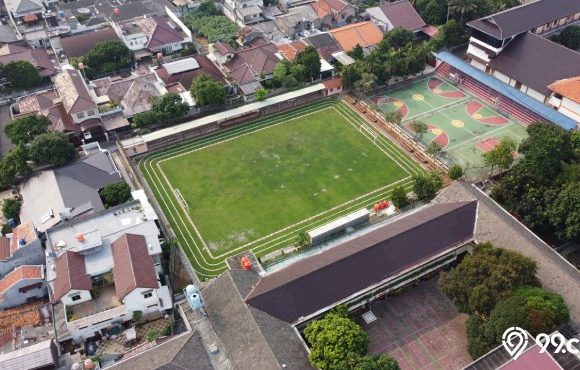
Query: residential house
[[365, 34], [42, 355], [25, 11], [39, 58], [21, 247], [492, 33], [67, 192], [244, 12], [325, 44], [177, 75], [287, 5], [246, 67], [102, 269], [156, 34], [333, 86], [397, 14], [298, 21], [23, 284], [75, 97], [566, 97], [247, 34], [79, 45], [531, 63], [290, 50], [334, 13]]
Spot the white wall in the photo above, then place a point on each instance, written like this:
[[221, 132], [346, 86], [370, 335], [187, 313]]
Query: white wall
[[570, 109], [85, 296], [135, 301], [500, 76]]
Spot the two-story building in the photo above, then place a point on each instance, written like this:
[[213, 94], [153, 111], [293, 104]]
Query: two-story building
[[244, 12], [299, 19], [398, 14], [334, 13], [21, 247], [103, 269], [565, 97], [23, 284]]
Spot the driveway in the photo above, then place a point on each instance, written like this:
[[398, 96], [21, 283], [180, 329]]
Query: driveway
[[5, 143]]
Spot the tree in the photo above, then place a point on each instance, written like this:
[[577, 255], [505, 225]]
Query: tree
[[455, 172], [115, 194], [546, 148], [261, 94], [420, 129], [357, 52], [11, 208], [397, 38], [303, 240], [434, 149], [310, 60], [334, 339], [564, 211], [152, 335], [17, 161], [366, 84], [399, 197], [426, 187], [369, 362], [502, 156], [206, 91], [24, 130], [462, 6], [170, 106], [450, 34], [52, 148], [107, 56], [394, 117], [486, 276], [350, 75], [570, 37], [145, 119], [21, 74]]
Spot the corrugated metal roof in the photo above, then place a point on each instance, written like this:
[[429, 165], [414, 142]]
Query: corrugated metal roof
[[509, 91], [180, 66]]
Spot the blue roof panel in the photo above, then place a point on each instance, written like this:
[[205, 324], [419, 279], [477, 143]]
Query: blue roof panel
[[508, 91]]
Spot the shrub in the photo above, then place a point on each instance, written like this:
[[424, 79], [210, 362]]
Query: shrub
[[11, 208], [455, 172]]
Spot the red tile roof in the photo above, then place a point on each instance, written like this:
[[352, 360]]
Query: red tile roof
[[20, 273], [248, 64], [133, 265], [325, 7], [4, 248], [402, 14], [364, 34], [290, 49], [70, 274], [568, 87], [205, 67], [332, 84], [24, 232]]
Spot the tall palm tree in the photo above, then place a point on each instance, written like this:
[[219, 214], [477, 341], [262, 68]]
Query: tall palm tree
[[462, 6]]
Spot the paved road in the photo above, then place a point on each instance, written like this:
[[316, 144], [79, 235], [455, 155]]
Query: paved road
[[5, 143]]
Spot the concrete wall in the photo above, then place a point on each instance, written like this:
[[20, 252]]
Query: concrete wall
[[14, 297], [67, 298], [31, 254]]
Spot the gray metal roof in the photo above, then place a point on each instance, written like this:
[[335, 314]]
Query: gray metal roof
[[39, 355]]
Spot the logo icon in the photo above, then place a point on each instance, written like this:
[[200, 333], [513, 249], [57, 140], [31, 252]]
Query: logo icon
[[515, 341]]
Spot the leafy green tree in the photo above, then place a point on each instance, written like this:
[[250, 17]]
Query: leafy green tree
[[21, 74], [145, 119], [206, 91], [455, 172], [502, 156], [432, 11], [17, 161], [397, 38], [434, 148], [115, 194], [570, 37], [366, 84], [170, 106], [546, 148], [334, 339], [107, 56], [24, 130], [450, 34], [281, 70], [261, 94], [357, 52], [52, 148], [419, 128], [350, 75], [399, 197], [11, 208], [310, 60], [187, 51], [394, 117], [426, 187], [564, 212], [303, 240], [486, 276], [369, 362], [462, 6]]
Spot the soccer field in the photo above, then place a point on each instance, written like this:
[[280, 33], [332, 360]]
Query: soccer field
[[255, 187]]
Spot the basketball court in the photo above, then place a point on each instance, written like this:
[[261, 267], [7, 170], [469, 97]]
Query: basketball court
[[461, 124]]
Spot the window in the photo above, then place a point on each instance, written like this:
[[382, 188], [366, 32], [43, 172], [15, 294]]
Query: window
[[75, 297], [81, 115], [148, 295], [91, 113]]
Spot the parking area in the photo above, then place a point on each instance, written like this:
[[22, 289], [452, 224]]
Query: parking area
[[420, 328]]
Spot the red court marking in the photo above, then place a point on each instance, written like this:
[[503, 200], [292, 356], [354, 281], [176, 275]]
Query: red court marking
[[473, 107], [442, 139], [434, 83], [496, 120], [452, 94], [487, 144], [376, 99], [404, 111]]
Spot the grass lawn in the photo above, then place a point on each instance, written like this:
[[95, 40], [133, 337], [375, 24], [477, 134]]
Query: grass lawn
[[252, 185]]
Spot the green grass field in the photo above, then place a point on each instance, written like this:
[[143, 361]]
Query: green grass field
[[255, 187]]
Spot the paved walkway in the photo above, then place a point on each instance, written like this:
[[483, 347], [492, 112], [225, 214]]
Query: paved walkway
[[5, 143]]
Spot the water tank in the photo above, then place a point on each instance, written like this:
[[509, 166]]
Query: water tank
[[193, 297], [80, 237]]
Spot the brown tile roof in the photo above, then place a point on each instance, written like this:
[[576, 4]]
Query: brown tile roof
[[402, 14], [325, 7], [248, 64], [73, 91], [160, 30], [70, 274], [364, 34], [224, 48], [290, 49], [205, 67], [4, 248], [37, 57], [134, 93], [537, 62], [568, 87], [525, 17], [24, 232], [23, 272], [333, 83], [79, 45], [133, 265], [318, 281]]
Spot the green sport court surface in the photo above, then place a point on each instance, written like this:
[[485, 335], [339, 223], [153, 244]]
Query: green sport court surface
[[256, 186], [461, 124]]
